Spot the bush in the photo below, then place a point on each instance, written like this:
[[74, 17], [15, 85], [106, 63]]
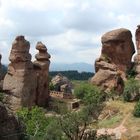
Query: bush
[[88, 93], [34, 120], [51, 86], [136, 112], [131, 73], [131, 90]]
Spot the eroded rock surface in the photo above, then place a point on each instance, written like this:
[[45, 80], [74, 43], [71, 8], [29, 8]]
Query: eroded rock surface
[[41, 67], [20, 80], [115, 60]]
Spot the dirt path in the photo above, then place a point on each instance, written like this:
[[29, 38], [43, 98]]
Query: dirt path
[[118, 131], [124, 120]]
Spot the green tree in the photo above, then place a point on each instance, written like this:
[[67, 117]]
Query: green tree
[[34, 120], [74, 124], [89, 94], [131, 90]]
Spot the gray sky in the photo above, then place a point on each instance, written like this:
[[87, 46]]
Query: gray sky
[[71, 29]]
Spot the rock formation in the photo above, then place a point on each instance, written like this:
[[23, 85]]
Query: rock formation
[[115, 60], [20, 80], [41, 66], [137, 56], [62, 83], [10, 128]]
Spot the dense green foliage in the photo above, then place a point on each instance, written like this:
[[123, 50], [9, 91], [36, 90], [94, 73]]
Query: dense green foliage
[[88, 93], [74, 124], [35, 121], [136, 112], [68, 125], [92, 97], [131, 90], [73, 75]]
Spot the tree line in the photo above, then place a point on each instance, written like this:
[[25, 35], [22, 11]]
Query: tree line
[[73, 74]]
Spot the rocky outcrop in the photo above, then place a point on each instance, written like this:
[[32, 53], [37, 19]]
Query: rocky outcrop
[[10, 128], [61, 83], [41, 67], [115, 60], [137, 56], [20, 80]]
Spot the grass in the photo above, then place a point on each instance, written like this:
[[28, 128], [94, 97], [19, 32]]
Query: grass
[[124, 108], [112, 122], [79, 82]]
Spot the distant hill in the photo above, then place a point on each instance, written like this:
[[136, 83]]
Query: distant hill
[[80, 67]]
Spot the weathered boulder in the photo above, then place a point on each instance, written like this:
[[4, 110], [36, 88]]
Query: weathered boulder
[[10, 128], [62, 83], [115, 60], [41, 67], [118, 47], [20, 80]]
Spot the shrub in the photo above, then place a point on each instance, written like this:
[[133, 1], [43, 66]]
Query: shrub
[[131, 90], [34, 120], [131, 73], [136, 112], [88, 93], [51, 86]]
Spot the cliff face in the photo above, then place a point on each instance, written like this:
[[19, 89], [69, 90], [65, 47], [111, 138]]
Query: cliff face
[[115, 60]]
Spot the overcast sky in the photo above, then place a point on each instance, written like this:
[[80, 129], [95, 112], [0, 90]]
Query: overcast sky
[[71, 29]]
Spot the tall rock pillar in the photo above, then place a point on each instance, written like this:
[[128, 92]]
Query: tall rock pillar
[[20, 80], [41, 66]]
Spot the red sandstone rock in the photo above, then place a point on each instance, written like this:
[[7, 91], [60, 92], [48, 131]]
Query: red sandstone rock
[[115, 60], [41, 66], [20, 80]]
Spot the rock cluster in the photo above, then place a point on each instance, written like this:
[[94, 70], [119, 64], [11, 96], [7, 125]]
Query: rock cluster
[[20, 81], [41, 66], [62, 84], [115, 60], [137, 56]]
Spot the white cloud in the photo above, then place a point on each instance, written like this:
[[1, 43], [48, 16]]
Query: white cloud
[[71, 29]]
